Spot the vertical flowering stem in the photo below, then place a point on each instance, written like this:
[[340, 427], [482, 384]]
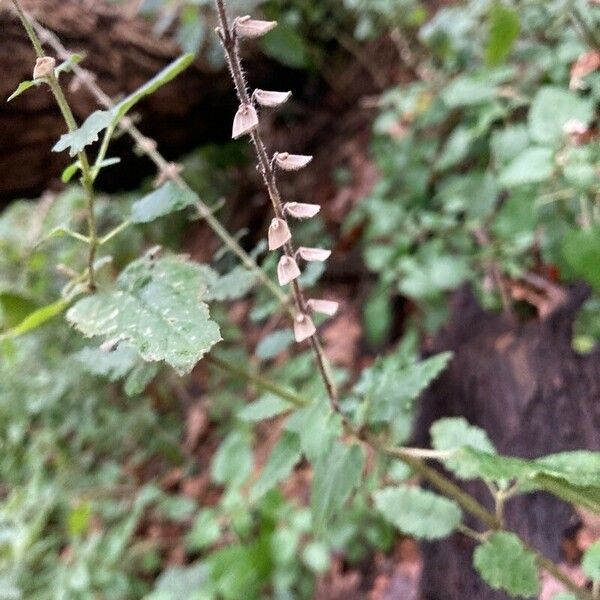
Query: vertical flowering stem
[[87, 178], [229, 39]]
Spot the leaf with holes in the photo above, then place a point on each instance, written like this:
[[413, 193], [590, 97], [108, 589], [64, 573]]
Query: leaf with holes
[[157, 308]]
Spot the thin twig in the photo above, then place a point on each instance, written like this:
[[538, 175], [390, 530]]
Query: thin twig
[[162, 165]]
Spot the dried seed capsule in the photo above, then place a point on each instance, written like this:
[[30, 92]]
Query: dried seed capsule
[[271, 99], [291, 162], [287, 270], [325, 307], [43, 67], [300, 210], [245, 121], [246, 27], [303, 327], [314, 254], [279, 234]]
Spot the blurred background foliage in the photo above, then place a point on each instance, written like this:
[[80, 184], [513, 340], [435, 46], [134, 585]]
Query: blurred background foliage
[[487, 168]]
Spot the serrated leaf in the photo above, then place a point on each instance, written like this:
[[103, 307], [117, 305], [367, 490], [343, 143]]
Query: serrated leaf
[[504, 564], [550, 110], [166, 199], [456, 433], [591, 561], [418, 512], [99, 120], [266, 407], [157, 308], [397, 389], [533, 165], [503, 31], [282, 460], [88, 133], [336, 474]]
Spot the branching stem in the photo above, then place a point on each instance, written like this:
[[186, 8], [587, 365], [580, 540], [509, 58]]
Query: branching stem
[[87, 177]]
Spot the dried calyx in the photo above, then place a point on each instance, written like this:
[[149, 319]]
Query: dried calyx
[[245, 121], [287, 270], [291, 162], [246, 27], [325, 307], [271, 99], [44, 65], [303, 327], [279, 234], [300, 210], [313, 254]]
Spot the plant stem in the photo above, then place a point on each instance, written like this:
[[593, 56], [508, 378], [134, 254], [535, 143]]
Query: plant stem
[[87, 180], [230, 45], [407, 455], [162, 166]]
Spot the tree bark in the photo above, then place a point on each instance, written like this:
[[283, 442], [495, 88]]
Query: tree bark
[[524, 384], [123, 53]]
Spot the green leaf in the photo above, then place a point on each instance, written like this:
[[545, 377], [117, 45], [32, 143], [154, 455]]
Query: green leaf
[[336, 474], [99, 120], [14, 307], [503, 31], [285, 45], [581, 249], [317, 427], [455, 433], [36, 319], [204, 532], [181, 582], [504, 564], [591, 561], [552, 107], [157, 308], [79, 519], [467, 91], [282, 460], [166, 199], [274, 343], [397, 389], [112, 365], [418, 512], [233, 461], [231, 286], [88, 133], [533, 165], [23, 87], [266, 407]]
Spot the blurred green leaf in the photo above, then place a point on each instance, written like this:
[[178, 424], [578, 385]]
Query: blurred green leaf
[[504, 25]]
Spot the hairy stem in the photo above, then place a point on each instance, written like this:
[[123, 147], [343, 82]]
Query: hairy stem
[[87, 178], [230, 45], [162, 166]]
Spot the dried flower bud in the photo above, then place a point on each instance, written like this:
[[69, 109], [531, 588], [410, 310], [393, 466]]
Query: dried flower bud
[[245, 121], [271, 99], [314, 254], [291, 162], [43, 67], [246, 27], [325, 307], [303, 328], [287, 270], [279, 234], [300, 210]]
